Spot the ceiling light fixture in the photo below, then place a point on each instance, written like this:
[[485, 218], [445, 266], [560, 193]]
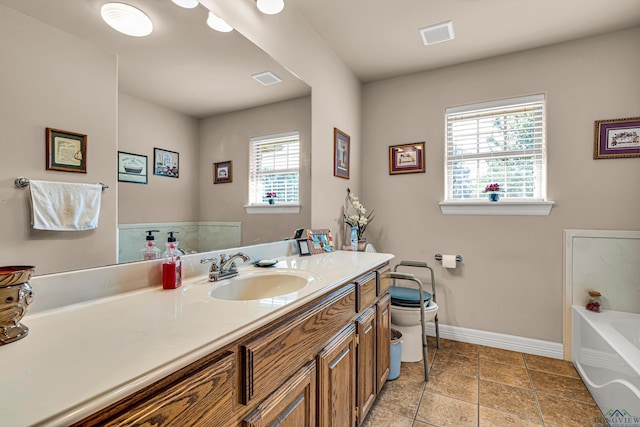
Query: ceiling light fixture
[[218, 24], [126, 19], [270, 7], [187, 4]]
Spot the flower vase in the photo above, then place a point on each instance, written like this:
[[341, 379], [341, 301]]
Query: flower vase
[[271, 201], [494, 197], [362, 245]]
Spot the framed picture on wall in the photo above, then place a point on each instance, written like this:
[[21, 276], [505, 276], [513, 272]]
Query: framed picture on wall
[[166, 163], [617, 138], [132, 168], [66, 151], [406, 158], [341, 153], [222, 172]]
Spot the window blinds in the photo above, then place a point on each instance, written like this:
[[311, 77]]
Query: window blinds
[[501, 141], [274, 164]]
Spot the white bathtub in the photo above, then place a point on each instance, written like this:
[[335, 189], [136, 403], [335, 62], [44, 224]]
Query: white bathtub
[[606, 353]]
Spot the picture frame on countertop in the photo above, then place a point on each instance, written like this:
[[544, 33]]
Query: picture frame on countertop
[[616, 138], [166, 163], [320, 240], [341, 153], [223, 172], [66, 151], [303, 247], [132, 168], [406, 158]]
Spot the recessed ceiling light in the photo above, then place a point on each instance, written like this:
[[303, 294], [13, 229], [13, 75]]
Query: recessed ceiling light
[[267, 78], [187, 4], [270, 7], [126, 19], [437, 33], [218, 24]]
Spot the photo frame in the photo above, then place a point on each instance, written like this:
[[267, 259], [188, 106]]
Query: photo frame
[[341, 153], [223, 172], [166, 163], [304, 248], [616, 138], [66, 151], [132, 168], [406, 158], [320, 240]]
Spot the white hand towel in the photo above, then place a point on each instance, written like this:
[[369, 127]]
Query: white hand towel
[[64, 206]]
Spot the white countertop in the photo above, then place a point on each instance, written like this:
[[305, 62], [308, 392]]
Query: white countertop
[[78, 359]]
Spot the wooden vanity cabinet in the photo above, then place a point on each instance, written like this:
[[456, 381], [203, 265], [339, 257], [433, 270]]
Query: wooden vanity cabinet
[[321, 364]]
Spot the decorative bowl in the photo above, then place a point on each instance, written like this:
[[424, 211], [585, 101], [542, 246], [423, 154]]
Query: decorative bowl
[[13, 275]]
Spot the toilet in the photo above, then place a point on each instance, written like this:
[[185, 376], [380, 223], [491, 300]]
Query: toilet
[[405, 317]]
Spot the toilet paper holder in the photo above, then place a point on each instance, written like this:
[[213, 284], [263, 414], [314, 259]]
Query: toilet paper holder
[[438, 257]]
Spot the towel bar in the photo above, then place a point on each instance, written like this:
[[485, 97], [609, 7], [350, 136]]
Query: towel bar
[[22, 182]]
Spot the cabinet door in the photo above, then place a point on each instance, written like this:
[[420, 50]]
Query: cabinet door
[[292, 405], [366, 369], [383, 313], [199, 395], [337, 380]]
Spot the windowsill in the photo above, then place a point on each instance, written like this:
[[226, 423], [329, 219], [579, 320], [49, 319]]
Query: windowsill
[[503, 207], [266, 208]]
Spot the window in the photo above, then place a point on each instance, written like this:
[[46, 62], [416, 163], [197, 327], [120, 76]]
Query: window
[[496, 142], [274, 164]]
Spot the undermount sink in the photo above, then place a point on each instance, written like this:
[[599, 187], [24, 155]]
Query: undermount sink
[[259, 285]]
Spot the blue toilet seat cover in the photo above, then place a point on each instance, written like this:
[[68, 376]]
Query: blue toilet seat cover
[[407, 296]]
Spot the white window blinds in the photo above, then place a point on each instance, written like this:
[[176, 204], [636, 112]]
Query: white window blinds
[[274, 164], [496, 142]]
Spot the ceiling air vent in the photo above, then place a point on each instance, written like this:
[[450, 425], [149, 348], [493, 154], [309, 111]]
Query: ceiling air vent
[[267, 78], [437, 33]]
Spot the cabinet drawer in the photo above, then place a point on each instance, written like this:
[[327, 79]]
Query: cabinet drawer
[[384, 282], [201, 394], [366, 289], [275, 355]]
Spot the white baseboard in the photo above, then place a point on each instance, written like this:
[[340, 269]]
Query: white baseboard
[[493, 339]]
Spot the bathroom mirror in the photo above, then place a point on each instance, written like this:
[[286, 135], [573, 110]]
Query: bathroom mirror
[[185, 88]]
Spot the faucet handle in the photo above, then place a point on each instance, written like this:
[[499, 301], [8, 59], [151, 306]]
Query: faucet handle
[[212, 260]]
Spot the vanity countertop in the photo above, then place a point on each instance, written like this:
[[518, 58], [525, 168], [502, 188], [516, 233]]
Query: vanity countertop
[[78, 359]]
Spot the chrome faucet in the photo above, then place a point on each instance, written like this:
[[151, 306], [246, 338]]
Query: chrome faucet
[[225, 268]]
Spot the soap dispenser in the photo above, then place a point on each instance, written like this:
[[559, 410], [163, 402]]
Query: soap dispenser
[[150, 250], [172, 264]]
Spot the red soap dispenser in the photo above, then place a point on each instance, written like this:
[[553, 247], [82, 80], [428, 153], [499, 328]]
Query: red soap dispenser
[[172, 265]]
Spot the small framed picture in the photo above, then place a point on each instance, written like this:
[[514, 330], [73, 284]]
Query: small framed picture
[[303, 247], [166, 163], [222, 172], [406, 158], [617, 138], [132, 168], [341, 153], [320, 240], [66, 151]]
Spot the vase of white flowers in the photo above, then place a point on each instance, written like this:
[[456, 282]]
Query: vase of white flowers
[[355, 215]]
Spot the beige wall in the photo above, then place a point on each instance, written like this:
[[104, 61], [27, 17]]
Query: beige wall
[[143, 126], [226, 137], [51, 79], [336, 96], [511, 278]]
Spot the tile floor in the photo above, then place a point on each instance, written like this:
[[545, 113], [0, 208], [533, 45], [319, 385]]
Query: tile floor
[[477, 386]]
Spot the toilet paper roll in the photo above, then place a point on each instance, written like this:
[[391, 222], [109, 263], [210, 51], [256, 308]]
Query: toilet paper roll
[[449, 261]]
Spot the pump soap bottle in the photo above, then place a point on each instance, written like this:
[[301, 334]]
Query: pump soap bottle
[[150, 250], [172, 264]]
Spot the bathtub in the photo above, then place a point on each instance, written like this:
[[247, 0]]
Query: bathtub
[[606, 353]]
